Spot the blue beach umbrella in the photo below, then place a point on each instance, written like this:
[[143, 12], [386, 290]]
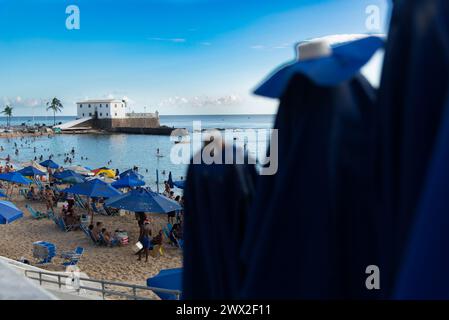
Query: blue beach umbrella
[[2, 195], [318, 202], [128, 182], [170, 279], [31, 172], [50, 164], [69, 176], [9, 212], [14, 177], [142, 200], [93, 188], [132, 173], [179, 184], [170, 180]]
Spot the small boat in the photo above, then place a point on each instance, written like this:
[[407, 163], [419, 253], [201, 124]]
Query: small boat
[[159, 155]]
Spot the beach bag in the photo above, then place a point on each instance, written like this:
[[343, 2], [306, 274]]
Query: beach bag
[[137, 247], [122, 236]]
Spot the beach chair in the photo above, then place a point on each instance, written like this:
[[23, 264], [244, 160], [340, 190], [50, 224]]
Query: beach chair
[[44, 252], [110, 211], [97, 210], [88, 233], [79, 202], [71, 258], [103, 242], [35, 214]]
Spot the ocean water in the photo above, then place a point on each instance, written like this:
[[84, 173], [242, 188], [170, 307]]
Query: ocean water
[[125, 150]]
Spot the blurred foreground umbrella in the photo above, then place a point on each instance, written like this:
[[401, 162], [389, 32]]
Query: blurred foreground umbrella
[[413, 120], [217, 199], [317, 209], [167, 279], [9, 212], [142, 200]]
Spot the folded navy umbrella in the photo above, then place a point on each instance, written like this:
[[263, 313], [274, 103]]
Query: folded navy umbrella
[[216, 203], [412, 97], [311, 233], [423, 272]]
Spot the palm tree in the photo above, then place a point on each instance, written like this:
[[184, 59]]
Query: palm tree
[[56, 106], [8, 112]]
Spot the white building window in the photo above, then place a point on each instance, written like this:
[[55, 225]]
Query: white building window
[[116, 113], [107, 106], [81, 105], [100, 105], [83, 114], [101, 114], [89, 106]]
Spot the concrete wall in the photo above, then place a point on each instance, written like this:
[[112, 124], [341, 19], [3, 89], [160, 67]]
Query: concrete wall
[[109, 124]]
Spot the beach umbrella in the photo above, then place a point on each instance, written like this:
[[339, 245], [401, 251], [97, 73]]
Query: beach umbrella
[[170, 279], [102, 178], [104, 171], [128, 182], [34, 164], [412, 113], [318, 203], [9, 212], [14, 177], [80, 170], [170, 180], [2, 195], [69, 176], [131, 172], [179, 184], [49, 164], [93, 188], [31, 172], [142, 200], [217, 200]]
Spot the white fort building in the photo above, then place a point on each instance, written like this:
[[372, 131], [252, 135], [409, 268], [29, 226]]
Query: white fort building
[[113, 115]]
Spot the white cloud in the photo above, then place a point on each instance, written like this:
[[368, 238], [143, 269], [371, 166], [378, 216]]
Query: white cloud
[[200, 101], [257, 46], [174, 40], [20, 102]]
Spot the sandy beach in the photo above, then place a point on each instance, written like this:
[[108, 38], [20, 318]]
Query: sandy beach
[[115, 264]]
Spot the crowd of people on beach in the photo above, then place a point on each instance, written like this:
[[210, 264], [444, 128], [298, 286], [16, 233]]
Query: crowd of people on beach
[[67, 207]]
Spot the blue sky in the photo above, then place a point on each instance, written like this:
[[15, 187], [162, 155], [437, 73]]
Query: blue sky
[[177, 56]]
